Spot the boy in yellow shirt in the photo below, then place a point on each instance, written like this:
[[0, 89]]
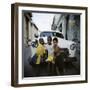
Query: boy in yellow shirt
[[40, 51]]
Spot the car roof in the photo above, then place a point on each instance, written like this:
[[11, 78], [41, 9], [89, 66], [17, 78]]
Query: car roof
[[52, 31]]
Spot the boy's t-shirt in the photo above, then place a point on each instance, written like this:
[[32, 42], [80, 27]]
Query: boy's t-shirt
[[40, 51], [56, 51], [50, 52]]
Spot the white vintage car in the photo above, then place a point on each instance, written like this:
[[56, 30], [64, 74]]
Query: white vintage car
[[62, 42]]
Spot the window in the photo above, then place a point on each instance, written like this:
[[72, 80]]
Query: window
[[52, 34], [60, 27]]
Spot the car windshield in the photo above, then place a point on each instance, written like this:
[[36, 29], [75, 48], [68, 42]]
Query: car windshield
[[52, 34]]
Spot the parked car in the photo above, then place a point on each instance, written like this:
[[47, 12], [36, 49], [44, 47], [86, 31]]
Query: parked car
[[62, 43]]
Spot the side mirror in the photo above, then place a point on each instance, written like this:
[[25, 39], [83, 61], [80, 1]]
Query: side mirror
[[34, 44], [35, 35]]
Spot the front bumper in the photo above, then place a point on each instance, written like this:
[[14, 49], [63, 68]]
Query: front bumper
[[70, 59]]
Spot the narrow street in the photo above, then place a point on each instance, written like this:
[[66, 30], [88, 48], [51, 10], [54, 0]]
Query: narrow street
[[70, 68]]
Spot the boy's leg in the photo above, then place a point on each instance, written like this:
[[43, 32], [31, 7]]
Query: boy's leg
[[37, 70], [54, 69], [60, 64]]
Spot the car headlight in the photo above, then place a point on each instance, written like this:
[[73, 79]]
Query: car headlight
[[72, 47]]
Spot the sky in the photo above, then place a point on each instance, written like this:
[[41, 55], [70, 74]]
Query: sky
[[43, 20]]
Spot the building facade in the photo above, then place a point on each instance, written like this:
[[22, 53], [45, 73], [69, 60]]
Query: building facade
[[29, 28], [68, 25]]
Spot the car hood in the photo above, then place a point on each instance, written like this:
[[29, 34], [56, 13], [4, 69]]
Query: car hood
[[65, 43]]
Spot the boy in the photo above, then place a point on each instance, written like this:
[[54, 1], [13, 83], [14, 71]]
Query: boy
[[50, 62], [59, 61], [40, 51]]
